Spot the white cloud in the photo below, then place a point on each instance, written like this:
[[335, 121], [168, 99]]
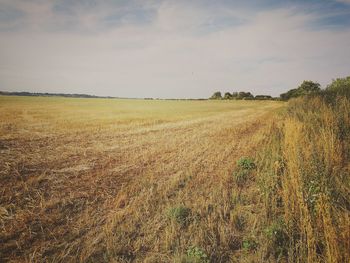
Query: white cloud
[[172, 56]]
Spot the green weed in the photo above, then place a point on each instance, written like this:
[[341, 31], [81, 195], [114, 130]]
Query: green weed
[[180, 214]]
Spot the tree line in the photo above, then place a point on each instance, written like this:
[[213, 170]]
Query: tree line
[[307, 87], [239, 96], [40, 94]]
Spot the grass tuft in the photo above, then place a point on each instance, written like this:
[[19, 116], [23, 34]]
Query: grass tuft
[[179, 214]]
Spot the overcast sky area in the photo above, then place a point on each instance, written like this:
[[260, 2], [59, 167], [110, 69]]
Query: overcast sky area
[[171, 49]]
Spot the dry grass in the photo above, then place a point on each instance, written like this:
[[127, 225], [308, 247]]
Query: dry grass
[[304, 173], [93, 180]]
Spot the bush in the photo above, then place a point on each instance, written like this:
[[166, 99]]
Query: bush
[[340, 85]]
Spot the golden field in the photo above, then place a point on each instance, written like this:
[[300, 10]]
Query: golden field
[[108, 180], [93, 180]]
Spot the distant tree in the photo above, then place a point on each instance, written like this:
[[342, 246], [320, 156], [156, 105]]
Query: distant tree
[[263, 97], [216, 96], [241, 95], [245, 95], [307, 87], [289, 94], [249, 95], [234, 94], [228, 96]]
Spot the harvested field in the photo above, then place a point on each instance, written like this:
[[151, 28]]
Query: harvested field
[[93, 180]]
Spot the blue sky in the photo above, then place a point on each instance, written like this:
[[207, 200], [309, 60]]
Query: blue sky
[[171, 49]]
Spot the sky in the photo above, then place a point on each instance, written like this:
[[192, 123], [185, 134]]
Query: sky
[[171, 48]]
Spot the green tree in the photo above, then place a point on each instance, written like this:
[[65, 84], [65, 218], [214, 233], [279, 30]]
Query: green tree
[[289, 94], [263, 97], [216, 96], [307, 87], [245, 95], [234, 94], [228, 96]]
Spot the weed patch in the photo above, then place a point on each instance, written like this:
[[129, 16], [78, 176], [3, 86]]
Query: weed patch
[[179, 214], [276, 233], [250, 244], [196, 255], [246, 163]]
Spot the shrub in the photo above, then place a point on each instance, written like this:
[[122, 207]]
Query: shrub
[[340, 85], [179, 214]]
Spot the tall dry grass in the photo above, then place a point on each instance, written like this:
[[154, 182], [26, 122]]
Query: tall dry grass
[[306, 185]]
